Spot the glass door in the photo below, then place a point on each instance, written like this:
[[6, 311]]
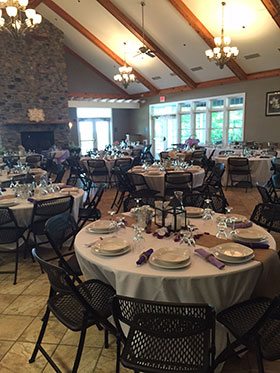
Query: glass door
[[164, 129], [94, 133]]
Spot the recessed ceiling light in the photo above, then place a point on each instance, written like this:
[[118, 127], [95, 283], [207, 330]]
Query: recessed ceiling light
[[172, 74]]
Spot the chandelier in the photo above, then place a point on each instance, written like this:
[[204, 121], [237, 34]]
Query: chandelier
[[125, 75], [16, 19], [222, 53]]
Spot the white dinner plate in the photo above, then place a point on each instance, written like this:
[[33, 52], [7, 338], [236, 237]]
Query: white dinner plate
[[233, 261], [194, 212], [251, 234], [101, 226], [238, 218], [111, 244], [171, 255], [69, 190], [155, 263], [96, 251], [234, 251], [8, 202]]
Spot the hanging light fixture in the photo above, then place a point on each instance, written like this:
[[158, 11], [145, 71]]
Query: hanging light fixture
[[16, 19], [222, 53], [125, 75]]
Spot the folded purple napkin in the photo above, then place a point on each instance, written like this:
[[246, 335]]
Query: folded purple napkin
[[144, 257], [210, 258], [246, 224], [32, 200], [66, 186], [254, 245]]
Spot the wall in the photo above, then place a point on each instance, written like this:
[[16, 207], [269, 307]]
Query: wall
[[258, 127], [33, 75], [83, 79], [121, 123]]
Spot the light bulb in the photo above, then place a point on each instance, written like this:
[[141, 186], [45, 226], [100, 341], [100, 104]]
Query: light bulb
[[30, 13], [209, 53], [3, 1], [227, 40], [0, 13], [23, 2], [234, 51], [216, 50], [11, 11], [2, 22], [217, 40], [37, 19], [226, 49]]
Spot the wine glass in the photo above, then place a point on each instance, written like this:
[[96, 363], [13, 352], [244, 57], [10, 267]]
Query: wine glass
[[207, 210], [233, 232], [221, 224], [111, 213], [138, 239]]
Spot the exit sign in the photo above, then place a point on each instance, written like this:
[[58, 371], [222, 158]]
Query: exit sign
[[162, 99]]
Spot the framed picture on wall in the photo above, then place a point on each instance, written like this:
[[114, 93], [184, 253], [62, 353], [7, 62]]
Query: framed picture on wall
[[272, 103]]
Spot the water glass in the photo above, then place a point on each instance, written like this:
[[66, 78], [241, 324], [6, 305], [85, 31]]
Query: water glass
[[222, 226]]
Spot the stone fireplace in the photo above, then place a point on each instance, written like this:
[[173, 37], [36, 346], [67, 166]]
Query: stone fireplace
[[33, 76]]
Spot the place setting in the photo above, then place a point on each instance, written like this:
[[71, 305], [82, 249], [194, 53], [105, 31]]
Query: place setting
[[170, 258], [110, 246]]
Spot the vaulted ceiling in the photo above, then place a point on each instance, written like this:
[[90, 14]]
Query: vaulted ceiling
[[178, 31]]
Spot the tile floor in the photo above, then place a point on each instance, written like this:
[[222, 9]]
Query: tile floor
[[23, 305]]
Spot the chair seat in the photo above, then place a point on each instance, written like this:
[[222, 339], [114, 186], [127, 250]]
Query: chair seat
[[70, 311], [85, 213], [240, 172]]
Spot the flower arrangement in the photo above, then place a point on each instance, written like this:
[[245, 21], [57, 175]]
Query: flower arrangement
[[191, 142]]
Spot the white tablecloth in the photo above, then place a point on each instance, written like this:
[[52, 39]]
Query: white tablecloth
[[23, 210], [156, 182], [201, 282], [260, 169]]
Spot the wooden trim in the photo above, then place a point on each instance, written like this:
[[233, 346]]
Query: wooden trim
[[135, 30], [33, 4], [96, 95], [89, 66], [273, 7], [97, 42], [203, 32], [212, 83]]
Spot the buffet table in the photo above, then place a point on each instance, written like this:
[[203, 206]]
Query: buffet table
[[260, 169], [155, 178], [200, 282]]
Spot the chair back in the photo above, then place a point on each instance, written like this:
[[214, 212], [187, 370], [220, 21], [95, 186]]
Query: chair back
[[97, 197], [178, 181], [236, 164], [266, 196], [218, 202], [163, 155], [276, 181], [138, 181], [34, 159], [9, 229], [192, 326], [61, 228], [276, 165], [215, 178], [211, 155], [267, 215], [122, 161], [96, 164]]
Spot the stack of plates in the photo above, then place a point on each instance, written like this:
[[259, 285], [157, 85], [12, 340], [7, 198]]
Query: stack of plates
[[194, 212], [69, 190], [234, 253], [154, 172], [111, 246], [238, 218], [8, 202], [101, 227], [250, 235], [170, 258]]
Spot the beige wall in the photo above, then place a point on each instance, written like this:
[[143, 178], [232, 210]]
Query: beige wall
[[258, 127]]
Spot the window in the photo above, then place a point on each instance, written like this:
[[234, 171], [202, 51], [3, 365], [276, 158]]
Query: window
[[235, 131], [186, 128], [213, 120]]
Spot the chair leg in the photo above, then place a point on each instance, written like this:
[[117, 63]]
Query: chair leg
[[106, 338], [80, 348], [259, 357], [116, 195], [118, 355], [41, 335], [16, 264]]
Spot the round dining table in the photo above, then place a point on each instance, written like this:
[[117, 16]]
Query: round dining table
[[36, 172], [155, 178], [23, 208], [260, 168], [200, 282]]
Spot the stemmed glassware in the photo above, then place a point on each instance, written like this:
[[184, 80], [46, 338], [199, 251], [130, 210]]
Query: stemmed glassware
[[112, 223], [207, 210], [222, 226]]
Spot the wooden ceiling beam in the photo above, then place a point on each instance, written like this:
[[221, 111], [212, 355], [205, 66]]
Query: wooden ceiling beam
[[99, 73], [97, 42], [137, 31], [33, 4], [211, 83], [205, 34], [273, 7]]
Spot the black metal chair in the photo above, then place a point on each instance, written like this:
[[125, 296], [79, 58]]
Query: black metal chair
[[42, 211], [239, 167], [147, 156], [217, 202], [61, 230], [267, 215], [57, 172], [276, 181], [140, 188], [268, 193], [76, 306], [34, 160], [98, 168], [182, 181], [164, 337], [255, 324], [126, 162], [163, 155], [213, 182], [276, 165], [90, 212], [198, 156], [122, 188], [270, 185], [10, 233]]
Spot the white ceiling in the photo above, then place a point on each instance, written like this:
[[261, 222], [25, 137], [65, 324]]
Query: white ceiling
[[248, 23]]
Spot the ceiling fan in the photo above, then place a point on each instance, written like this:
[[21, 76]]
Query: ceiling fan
[[144, 49]]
